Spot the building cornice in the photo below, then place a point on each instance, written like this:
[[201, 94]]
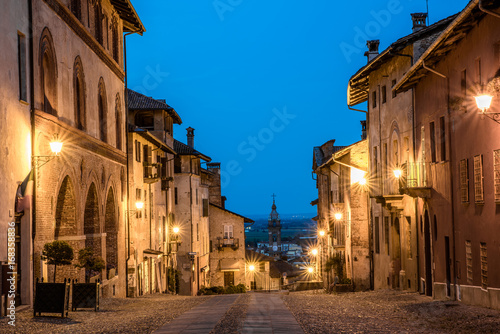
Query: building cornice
[[64, 13], [81, 139]]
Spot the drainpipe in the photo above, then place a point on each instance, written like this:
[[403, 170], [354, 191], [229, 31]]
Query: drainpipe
[[32, 120], [486, 10], [127, 218]]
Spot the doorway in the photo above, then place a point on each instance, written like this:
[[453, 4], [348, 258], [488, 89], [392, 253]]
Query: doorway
[[428, 264], [228, 278], [448, 265], [396, 253]]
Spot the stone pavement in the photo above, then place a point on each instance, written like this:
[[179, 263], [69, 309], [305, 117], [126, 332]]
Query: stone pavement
[[200, 319], [266, 314]]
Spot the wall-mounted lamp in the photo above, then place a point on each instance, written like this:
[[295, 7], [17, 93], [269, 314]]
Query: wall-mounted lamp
[[321, 233], [483, 102], [55, 147], [397, 173], [338, 216], [139, 205]]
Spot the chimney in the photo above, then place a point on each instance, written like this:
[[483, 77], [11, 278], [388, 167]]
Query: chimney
[[372, 52], [190, 137], [214, 189], [419, 21], [363, 130], [223, 200]]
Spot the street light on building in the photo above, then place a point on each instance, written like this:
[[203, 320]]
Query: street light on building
[[338, 216], [139, 205], [397, 173], [483, 102]]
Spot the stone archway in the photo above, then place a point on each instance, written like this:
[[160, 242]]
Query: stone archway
[[91, 226], [111, 230]]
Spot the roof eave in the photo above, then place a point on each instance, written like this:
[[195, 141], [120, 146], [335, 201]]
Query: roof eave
[[404, 83]]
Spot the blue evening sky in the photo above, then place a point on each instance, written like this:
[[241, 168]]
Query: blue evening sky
[[263, 82]]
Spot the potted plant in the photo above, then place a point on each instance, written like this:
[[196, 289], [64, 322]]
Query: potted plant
[[86, 295], [57, 253], [54, 297]]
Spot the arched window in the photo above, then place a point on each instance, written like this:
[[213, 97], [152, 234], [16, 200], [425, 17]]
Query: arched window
[[76, 9], [102, 111], [79, 94], [98, 22], [118, 118], [114, 37], [48, 73]]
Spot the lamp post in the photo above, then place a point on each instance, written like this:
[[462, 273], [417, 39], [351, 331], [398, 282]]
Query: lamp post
[[55, 147]]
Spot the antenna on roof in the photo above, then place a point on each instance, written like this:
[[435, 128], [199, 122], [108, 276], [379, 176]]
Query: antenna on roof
[[428, 20]]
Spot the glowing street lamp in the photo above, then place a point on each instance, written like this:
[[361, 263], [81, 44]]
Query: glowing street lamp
[[322, 233], [139, 205], [338, 216], [397, 173], [483, 102], [362, 182], [176, 230], [310, 270], [251, 267], [56, 146], [314, 251]]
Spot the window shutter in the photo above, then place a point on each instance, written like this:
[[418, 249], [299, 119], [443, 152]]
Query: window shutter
[[478, 179], [496, 174], [464, 180], [163, 171]]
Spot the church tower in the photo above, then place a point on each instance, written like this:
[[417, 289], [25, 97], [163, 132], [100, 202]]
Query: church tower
[[274, 228]]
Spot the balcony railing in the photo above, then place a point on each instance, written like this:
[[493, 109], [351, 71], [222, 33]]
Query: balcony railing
[[234, 243], [417, 176]]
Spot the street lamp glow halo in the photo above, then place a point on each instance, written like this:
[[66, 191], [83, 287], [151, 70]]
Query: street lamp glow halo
[[362, 182], [139, 205], [338, 216], [310, 269], [321, 233], [397, 173], [176, 230], [314, 251], [483, 102], [56, 146], [251, 267]]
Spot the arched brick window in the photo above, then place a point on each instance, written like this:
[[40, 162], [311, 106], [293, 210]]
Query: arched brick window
[[48, 73], [114, 37], [102, 112], [79, 94], [98, 22], [118, 119]]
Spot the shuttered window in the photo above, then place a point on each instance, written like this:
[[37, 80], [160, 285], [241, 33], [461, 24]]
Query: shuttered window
[[148, 161], [478, 179], [484, 266], [496, 173], [468, 258], [464, 180]]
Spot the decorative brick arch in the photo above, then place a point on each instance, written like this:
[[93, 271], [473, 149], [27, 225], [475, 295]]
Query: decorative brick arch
[[48, 72], [65, 218], [91, 222], [111, 230], [79, 92], [395, 135]]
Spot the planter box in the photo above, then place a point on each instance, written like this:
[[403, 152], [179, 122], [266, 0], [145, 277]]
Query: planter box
[[85, 295], [51, 298]]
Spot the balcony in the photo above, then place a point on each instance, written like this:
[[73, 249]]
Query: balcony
[[222, 243], [417, 182]]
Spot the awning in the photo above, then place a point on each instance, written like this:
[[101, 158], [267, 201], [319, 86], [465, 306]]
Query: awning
[[229, 265]]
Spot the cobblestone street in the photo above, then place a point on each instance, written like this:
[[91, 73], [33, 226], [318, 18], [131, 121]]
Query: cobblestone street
[[382, 311], [387, 311]]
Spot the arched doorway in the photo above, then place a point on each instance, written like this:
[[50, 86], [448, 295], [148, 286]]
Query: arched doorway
[[91, 227], [427, 250], [111, 230], [396, 253]]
